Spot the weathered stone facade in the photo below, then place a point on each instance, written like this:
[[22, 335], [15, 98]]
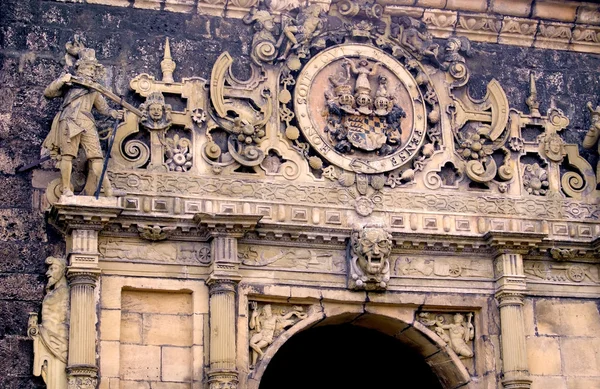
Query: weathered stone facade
[[203, 267]]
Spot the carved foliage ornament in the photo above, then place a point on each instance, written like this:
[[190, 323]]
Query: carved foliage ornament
[[347, 94]]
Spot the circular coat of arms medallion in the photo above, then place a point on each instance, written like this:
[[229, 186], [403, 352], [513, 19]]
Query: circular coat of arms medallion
[[360, 108]]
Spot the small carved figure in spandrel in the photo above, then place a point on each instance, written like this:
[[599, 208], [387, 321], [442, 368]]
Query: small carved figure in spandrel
[[266, 326]]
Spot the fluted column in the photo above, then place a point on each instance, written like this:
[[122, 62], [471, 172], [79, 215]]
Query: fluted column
[[510, 285], [222, 285], [509, 247], [83, 274], [222, 355], [80, 219], [225, 230]]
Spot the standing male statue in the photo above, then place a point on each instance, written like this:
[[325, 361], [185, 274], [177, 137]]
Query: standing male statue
[[74, 125], [50, 337]]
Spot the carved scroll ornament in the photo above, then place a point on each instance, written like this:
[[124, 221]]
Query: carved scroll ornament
[[349, 95]]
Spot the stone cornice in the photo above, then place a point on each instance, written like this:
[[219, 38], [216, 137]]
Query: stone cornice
[[560, 25], [83, 212], [234, 225]]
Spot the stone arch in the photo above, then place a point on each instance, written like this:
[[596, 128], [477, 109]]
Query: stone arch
[[442, 360]]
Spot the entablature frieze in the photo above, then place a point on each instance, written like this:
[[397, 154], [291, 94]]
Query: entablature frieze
[[306, 226]]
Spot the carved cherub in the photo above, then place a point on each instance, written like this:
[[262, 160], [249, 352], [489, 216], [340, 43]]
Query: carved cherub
[[50, 337], [267, 326], [308, 24], [456, 334], [264, 24], [593, 133], [460, 333], [414, 36], [263, 40]]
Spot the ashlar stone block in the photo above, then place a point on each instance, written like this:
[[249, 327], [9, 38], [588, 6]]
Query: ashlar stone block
[[176, 364], [140, 362], [556, 317], [543, 356], [581, 356], [134, 385], [583, 383], [156, 302], [547, 382], [131, 327], [169, 330]]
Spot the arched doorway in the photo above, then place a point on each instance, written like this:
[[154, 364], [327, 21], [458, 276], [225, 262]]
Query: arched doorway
[[347, 356], [359, 345]]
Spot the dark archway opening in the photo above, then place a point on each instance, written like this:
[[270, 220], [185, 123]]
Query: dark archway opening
[[349, 357]]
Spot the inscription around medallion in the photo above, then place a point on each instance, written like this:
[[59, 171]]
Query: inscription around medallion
[[360, 109]]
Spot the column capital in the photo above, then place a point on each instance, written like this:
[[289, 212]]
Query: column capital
[[83, 276], [510, 276], [506, 298], [509, 242], [222, 285]]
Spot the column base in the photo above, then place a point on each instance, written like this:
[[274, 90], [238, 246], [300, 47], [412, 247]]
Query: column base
[[82, 377], [222, 379], [516, 380]]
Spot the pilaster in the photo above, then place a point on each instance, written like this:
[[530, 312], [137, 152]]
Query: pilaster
[[225, 230], [511, 286]]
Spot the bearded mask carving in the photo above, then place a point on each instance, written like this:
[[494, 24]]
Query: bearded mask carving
[[369, 263]]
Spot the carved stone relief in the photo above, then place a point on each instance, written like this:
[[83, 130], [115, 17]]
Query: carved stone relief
[[50, 337], [344, 93], [456, 330], [369, 265], [562, 272], [440, 267], [346, 114], [330, 261], [188, 253], [267, 322]]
